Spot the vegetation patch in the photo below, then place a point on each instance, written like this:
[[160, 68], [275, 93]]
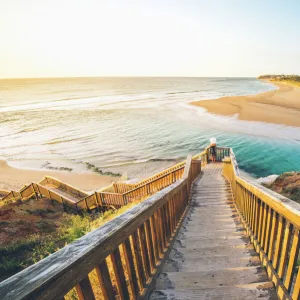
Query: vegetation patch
[[288, 185], [101, 172], [34, 233], [291, 79]]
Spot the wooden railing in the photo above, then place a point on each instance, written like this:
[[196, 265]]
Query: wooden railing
[[64, 187], [221, 152], [125, 187], [11, 195], [117, 200], [135, 192], [116, 261], [272, 222], [38, 190], [4, 193]]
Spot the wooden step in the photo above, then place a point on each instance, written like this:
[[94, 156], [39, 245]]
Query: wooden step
[[251, 291], [209, 279], [190, 263], [236, 251], [212, 233], [210, 242]]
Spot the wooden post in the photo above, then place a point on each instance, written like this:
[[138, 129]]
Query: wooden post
[[187, 171]]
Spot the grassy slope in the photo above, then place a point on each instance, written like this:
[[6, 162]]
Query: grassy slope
[[45, 237]]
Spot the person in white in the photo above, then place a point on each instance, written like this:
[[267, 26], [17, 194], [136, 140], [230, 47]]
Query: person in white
[[213, 146]]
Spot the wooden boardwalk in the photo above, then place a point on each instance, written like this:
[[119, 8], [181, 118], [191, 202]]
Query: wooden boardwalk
[[212, 258]]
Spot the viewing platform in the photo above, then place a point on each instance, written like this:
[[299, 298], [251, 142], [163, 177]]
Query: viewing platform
[[200, 231]]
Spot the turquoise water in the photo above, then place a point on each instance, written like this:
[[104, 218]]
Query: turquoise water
[[138, 125]]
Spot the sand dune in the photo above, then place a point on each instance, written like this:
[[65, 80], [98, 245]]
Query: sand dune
[[281, 106]]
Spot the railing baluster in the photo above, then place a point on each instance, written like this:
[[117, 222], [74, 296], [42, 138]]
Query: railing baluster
[[150, 245], [158, 234], [264, 220], [119, 274], [294, 253], [167, 219], [163, 225], [273, 235], [256, 217], [268, 229], [278, 242], [296, 292], [252, 200], [133, 281], [261, 221], [138, 260], [284, 251], [154, 239], [84, 290], [144, 251], [105, 281]]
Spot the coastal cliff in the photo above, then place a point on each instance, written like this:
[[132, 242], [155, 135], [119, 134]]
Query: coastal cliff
[[288, 185]]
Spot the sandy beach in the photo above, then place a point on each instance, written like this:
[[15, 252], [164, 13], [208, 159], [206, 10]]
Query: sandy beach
[[281, 106], [13, 178]]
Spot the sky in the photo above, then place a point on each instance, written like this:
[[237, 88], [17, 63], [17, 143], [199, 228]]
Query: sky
[[77, 38]]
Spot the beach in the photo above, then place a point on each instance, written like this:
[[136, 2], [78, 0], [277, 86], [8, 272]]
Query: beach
[[14, 179], [281, 106]]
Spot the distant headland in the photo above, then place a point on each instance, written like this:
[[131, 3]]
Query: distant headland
[[292, 79]]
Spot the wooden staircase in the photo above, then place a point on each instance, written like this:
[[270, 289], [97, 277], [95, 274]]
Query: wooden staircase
[[212, 258]]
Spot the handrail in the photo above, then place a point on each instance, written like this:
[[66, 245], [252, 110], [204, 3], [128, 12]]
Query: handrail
[[129, 249], [149, 187], [118, 200], [159, 174], [4, 193], [273, 222]]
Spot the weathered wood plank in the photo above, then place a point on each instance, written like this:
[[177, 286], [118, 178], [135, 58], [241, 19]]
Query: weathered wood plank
[[133, 280], [138, 260], [105, 281], [154, 240], [119, 274], [278, 242], [84, 290], [143, 251], [284, 251], [293, 260], [150, 246]]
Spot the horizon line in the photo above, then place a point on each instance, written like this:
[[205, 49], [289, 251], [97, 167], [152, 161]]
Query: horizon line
[[77, 77]]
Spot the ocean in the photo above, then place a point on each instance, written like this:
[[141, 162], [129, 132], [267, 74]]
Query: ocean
[[133, 125]]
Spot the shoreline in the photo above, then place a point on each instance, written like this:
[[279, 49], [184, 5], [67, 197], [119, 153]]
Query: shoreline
[[14, 179], [279, 106]]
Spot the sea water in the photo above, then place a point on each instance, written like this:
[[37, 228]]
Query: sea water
[[138, 125]]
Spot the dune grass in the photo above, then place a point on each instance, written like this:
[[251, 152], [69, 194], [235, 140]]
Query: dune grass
[[23, 253]]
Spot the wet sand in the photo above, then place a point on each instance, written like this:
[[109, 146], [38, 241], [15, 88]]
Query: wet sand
[[14, 179], [281, 106]]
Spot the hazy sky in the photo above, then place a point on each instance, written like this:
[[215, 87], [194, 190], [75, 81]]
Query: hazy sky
[[49, 38]]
